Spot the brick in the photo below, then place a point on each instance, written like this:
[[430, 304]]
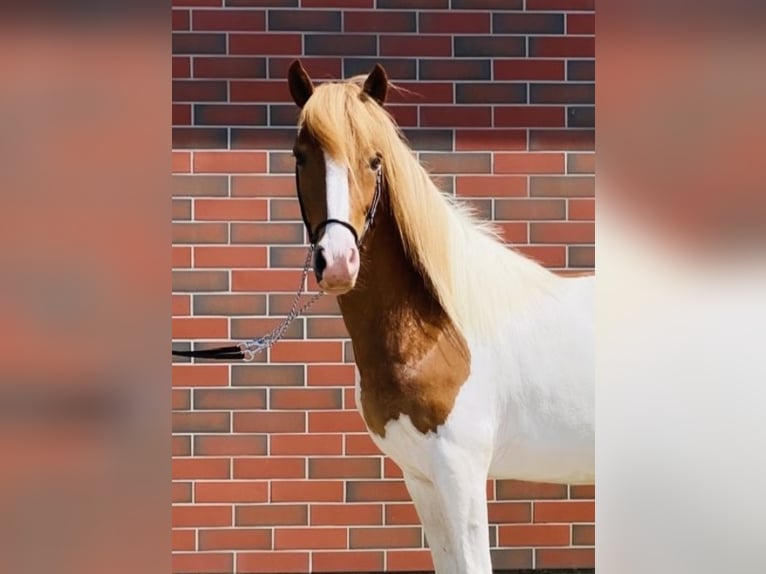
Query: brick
[[248, 328], [485, 93], [562, 232], [200, 186], [267, 233], [265, 45], [487, 4], [229, 304], [332, 375], [523, 490], [489, 46], [360, 444], [376, 491], [459, 70], [564, 47], [317, 67], [267, 375], [414, 4], [527, 23], [561, 186], [525, 163], [568, 140], [533, 535], [559, 5], [490, 140], [180, 20], [292, 257], [581, 163], [230, 209], [326, 328], [268, 422], [415, 46], [530, 209], [391, 469], [229, 399], [451, 163], [564, 511], [229, 162], [181, 209], [581, 256], [547, 255], [340, 45], [231, 491], [197, 3], [229, 115], [201, 516], [453, 22], [582, 209], [181, 491], [280, 304], [528, 69], [199, 138], [270, 467], [181, 115], [583, 535], [233, 445], [283, 115], [268, 280], [581, 70], [281, 162], [200, 281], [181, 67], [183, 540], [200, 468], [431, 139], [308, 399], [581, 117], [284, 210], [262, 186], [511, 559], [345, 467], [307, 491], [561, 93], [262, 3], [229, 67], [309, 538], [305, 20], [565, 558], [510, 512], [379, 22], [582, 491], [409, 560], [388, 537], [268, 562], [402, 514], [307, 352], [347, 562], [529, 116], [271, 515], [396, 68], [262, 91], [346, 514], [199, 328], [581, 24], [228, 20], [338, 3], [200, 375], [207, 563], [181, 445], [513, 232], [181, 400], [336, 421], [228, 257], [196, 43], [449, 116], [491, 186], [262, 138], [199, 91], [200, 422], [306, 444], [235, 539]]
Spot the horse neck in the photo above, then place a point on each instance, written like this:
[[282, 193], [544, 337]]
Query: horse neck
[[391, 308]]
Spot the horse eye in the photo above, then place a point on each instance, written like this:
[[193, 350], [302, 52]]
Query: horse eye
[[375, 162]]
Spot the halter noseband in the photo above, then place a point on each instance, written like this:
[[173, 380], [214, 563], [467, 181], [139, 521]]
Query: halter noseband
[[314, 235]]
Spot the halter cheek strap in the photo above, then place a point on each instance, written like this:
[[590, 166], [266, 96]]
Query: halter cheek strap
[[358, 238]]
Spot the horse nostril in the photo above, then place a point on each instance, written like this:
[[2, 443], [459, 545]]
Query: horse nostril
[[320, 263]]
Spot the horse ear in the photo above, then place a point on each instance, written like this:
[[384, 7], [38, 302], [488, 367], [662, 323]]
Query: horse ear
[[376, 84], [300, 84]]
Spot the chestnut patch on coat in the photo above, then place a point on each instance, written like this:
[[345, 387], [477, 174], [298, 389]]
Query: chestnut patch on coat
[[411, 358]]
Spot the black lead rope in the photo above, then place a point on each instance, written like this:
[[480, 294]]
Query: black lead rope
[[247, 350]]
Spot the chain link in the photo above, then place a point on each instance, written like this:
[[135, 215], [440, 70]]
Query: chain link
[[254, 346]]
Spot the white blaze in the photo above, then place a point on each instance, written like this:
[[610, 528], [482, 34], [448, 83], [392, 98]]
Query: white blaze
[[337, 239]]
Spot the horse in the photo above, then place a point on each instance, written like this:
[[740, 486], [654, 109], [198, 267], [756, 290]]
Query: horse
[[473, 361]]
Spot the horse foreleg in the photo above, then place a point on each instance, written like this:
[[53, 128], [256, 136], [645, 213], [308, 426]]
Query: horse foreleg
[[432, 516]]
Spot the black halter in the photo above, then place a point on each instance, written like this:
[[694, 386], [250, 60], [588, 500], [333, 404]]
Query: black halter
[[358, 238]]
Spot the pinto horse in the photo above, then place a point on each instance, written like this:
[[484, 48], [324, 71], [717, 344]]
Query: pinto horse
[[473, 360]]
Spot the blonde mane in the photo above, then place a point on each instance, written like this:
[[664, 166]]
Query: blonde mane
[[474, 276]]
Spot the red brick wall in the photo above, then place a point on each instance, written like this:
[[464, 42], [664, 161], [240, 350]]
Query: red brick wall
[[272, 468]]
